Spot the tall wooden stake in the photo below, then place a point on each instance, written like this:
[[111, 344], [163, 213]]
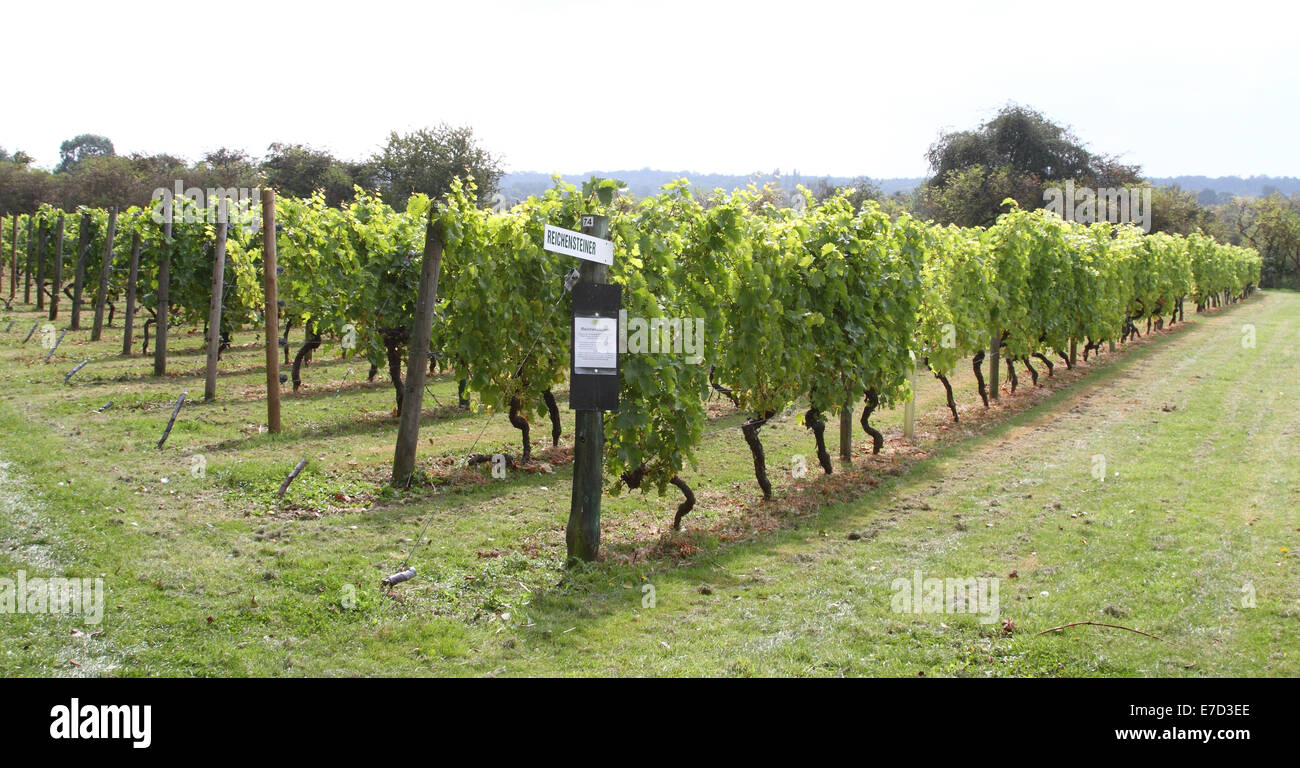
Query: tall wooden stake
[[214, 307], [995, 352], [84, 242], [408, 428], [105, 267], [57, 280], [272, 312], [846, 432], [164, 301], [128, 320], [40, 266], [27, 273], [13, 258], [583, 532], [909, 409]]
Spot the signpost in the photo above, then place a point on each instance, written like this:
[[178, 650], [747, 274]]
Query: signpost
[[593, 364], [594, 372], [580, 244]]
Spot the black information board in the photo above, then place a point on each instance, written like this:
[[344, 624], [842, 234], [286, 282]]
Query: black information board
[[593, 347]]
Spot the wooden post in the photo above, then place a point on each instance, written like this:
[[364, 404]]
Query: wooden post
[[57, 279], [293, 474], [27, 273], [13, 259], [909, 409], [164, 301], [214, 306], [40, 266], [105, 266], [583, 532], [128, 329], [172, 421], [1074, 348], [995, 352], [408, 428], [272, 312], [84, 241], [846, 432]]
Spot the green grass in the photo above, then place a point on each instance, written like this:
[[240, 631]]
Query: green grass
[[209, 573]]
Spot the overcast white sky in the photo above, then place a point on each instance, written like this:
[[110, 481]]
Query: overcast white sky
[[842, 88]]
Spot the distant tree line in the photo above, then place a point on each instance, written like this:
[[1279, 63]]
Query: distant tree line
[[1017, 154], [90, 171]]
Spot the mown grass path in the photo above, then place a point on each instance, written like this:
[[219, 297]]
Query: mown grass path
[[1195, 523], [1188, 538]]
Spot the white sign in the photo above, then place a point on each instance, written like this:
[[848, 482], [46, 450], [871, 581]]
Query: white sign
[[595, 345], [572, 243]]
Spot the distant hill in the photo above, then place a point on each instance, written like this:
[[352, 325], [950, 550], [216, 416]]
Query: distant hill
[[1221, 189], [645, 182]]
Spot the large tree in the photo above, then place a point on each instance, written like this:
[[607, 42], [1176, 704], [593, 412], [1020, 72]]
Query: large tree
[[103, 181], [23, 189], [225, 167], [972, 197], [1271, 225], [1015, 154], [78, 148], [1175, 210], [19, 157], [300, 170], [1019, 138], [122, 181], [429, 159]]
